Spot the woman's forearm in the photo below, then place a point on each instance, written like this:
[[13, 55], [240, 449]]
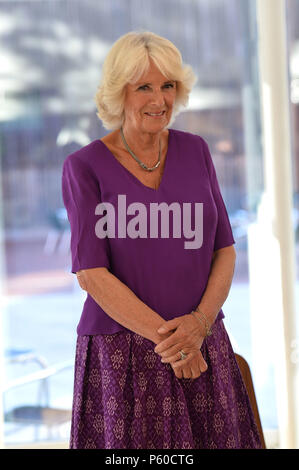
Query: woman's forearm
[[120, 303], [219, 283]]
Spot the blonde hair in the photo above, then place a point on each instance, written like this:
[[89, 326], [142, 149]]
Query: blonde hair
[[127, 60]]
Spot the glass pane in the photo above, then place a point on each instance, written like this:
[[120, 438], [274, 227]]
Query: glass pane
[[51, 54]]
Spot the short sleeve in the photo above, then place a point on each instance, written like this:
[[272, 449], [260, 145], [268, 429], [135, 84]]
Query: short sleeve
[[81, 194], [224, 236]]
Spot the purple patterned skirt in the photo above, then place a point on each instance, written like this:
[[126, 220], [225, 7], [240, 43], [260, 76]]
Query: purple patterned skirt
[[126, 398]]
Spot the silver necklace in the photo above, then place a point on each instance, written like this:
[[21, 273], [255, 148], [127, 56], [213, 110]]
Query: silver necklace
[[143, 165]]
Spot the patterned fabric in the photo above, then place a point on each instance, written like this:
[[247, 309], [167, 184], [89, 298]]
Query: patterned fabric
[[126, 398]]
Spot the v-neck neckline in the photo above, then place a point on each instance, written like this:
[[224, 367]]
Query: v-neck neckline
[[135, 177]]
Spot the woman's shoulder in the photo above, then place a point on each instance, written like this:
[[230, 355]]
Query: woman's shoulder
[[188, 137], [85, 157], [195, 146]]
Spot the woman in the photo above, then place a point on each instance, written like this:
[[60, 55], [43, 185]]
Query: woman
[[154, 365]]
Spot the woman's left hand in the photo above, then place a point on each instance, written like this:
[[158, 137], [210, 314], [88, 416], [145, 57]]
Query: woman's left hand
[[188, 336]]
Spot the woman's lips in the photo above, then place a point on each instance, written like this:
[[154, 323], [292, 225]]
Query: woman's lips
[[156, 115]]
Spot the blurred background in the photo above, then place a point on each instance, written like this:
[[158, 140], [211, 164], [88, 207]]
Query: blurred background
[[51, 53]]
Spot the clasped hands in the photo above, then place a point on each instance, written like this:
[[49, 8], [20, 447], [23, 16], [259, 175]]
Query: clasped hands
[[183, 333]]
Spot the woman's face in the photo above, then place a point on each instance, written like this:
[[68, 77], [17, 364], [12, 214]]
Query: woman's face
[[149, 102]]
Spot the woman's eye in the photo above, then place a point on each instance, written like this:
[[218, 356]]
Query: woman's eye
[[146, 87]]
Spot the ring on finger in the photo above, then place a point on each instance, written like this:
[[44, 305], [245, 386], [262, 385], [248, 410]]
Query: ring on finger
[[182, 355]]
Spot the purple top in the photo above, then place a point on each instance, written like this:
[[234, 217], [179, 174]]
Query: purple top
[[161, 270]]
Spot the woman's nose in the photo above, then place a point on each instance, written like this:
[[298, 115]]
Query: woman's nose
[[157, 98]]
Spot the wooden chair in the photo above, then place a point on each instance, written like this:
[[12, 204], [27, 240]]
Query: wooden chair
[[246, 374]]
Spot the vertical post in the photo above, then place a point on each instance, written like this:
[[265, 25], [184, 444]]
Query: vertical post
[[271, 242], [250, 98], [2, 274]]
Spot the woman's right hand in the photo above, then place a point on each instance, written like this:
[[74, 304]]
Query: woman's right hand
[[193, 369]]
